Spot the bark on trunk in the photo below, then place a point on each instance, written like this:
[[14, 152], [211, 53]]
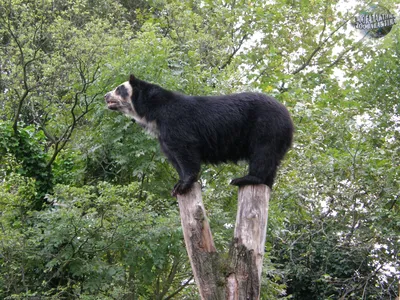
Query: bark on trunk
[[247, 250], [238, 278], [200, 244]]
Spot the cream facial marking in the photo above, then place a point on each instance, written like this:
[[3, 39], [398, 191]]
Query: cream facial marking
[[119, 99]]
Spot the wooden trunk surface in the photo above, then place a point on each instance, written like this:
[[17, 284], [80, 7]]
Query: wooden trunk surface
[[200, 244], [247, 250], [241, 279]]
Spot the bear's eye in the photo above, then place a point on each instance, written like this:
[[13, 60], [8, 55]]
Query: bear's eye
[[123, 91], [117, 91]]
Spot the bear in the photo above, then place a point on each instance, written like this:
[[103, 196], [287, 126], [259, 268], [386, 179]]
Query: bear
[[192, 130]]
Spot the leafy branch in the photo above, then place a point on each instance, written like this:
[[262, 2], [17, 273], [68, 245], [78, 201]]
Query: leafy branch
[[86, 81], [24, 63]]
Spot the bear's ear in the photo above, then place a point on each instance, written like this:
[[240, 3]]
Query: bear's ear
[[132, 79]]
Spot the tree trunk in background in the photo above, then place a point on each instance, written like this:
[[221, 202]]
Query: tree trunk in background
[[239, 277]]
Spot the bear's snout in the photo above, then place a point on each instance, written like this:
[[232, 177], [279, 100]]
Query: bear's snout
[[107, 97], [112, 103]]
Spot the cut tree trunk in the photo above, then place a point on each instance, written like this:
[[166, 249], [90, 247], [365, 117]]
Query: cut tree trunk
[[200, 244], [247, 250], [239, 277]]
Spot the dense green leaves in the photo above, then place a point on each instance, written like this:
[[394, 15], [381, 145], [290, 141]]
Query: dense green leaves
[[94, 241], [85, 209]]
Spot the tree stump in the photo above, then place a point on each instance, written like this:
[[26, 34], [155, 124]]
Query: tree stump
[[247, 250], [200, 244], [240, 277]]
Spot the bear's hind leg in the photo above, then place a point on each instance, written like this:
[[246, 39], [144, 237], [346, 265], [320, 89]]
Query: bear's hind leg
[[262, 168], [246, 180]]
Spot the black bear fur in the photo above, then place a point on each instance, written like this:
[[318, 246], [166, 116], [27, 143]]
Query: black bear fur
[[210, 129]]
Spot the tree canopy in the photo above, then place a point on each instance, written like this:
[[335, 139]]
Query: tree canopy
[[85, 210]]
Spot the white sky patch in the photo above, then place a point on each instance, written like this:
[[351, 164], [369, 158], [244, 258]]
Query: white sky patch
[[390, 139], [346, 183], [317, 91], [395, 126], [345, 5], [300, 52], [340, 76], [365, 122], [228, 225], [396, 122], [387, 269], [253, 40], [336, 50], [325, 206]]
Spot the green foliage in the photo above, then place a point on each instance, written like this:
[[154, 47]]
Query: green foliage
[[95, 241], [339, 241], [26, 148], [110, 230]]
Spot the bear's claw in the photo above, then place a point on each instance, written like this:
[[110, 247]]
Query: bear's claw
[[246, 180], [181, 188]]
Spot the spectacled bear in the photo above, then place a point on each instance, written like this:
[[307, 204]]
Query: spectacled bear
[[209, 129]]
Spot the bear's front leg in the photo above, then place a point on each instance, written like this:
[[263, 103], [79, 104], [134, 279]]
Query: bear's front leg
[[181, 188], [189, 167], [186, 161]]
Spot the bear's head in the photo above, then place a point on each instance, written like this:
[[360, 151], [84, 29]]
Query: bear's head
[[120, 99]]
